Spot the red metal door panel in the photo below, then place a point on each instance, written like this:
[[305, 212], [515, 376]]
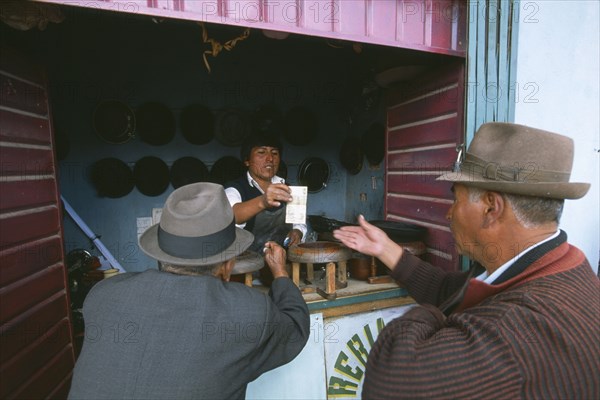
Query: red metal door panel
[[438, 102], [21, 296], [21, 261], [24, 161], [419, 185], [31, 326], [25, 369], [23, 95], [23, 128], [424, 126], [35, 329], [432, 133], [44, 381], [22, 228], [422, 160], [22, 194], [419, 209]]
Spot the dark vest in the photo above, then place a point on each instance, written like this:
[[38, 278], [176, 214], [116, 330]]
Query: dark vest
[[248, 192]]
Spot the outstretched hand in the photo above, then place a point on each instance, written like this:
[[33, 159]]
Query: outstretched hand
[[369, 239]]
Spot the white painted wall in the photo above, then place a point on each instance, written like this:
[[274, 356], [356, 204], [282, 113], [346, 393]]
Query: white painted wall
[[558, 75]]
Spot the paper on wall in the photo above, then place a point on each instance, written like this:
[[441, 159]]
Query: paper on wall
[[295, 211]]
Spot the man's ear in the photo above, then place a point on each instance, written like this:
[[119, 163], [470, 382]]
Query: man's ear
[[494, 207]]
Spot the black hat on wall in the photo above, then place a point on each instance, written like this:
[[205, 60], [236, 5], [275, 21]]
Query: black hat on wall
[[313, 172], [232, 127], [113, 121], [226, 169], [373, 143], [111, 177], [186, 170], [351, 155], [151, 176]]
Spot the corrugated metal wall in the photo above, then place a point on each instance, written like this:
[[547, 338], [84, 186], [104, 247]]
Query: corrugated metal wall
[[424, 126], [437, 26], [36, 351]]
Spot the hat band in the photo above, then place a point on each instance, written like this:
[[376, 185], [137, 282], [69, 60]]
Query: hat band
[[528, 172], [196, 247]]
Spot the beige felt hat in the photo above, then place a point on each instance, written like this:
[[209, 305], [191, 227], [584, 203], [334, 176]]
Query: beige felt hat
[[196, 228], [518, 159]]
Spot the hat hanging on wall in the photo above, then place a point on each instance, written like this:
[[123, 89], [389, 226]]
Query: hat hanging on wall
[[151, 176], [301, 126], [373, 143], [351, 155], [186, 170], [233, 126], [226, 169], [197, 124], [114, 122], [268, 119], [313, 173], [155, 123], [111, 177]]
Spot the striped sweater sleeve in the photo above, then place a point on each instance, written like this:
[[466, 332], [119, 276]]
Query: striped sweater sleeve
[[426, 283]]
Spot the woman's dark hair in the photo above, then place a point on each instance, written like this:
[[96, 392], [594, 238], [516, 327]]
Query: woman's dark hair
[[257, 140]]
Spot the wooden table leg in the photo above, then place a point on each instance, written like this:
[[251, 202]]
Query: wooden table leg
[[248, 279], [341, 274], [296, 273], [310, 273]]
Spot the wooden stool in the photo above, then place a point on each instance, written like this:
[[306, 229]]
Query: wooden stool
[[334, 255], [246, 263]]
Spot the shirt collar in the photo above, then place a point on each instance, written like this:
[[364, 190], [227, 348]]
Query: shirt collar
[[252, 182], [489, 279]]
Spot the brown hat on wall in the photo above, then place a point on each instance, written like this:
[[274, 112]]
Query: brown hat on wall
[[521, 160]]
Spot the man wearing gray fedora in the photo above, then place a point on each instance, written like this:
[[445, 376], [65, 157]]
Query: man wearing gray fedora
[[184, 331], [524, 322]]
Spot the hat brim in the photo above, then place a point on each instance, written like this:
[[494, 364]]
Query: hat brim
[[248, 261], [149, 244], [552, 190]]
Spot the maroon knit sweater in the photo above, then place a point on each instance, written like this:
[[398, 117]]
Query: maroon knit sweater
[[536, 335]]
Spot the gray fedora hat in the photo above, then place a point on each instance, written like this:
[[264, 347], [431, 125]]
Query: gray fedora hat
[[518, 159], [197, 227]]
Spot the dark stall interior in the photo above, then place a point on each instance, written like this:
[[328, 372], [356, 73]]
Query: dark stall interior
[[155, 66]]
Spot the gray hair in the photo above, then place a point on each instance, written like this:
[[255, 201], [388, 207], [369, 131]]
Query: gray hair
[[189, 269], [530, 211]]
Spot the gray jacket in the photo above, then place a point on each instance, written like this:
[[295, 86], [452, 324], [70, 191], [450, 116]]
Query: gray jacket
[[157, 335]]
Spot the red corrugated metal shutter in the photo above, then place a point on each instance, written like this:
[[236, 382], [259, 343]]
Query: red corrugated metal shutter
[[424, 126], [36, 352], [437, 26]]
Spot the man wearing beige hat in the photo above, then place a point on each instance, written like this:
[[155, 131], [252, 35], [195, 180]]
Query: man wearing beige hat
[[524, 322], [184, 331]]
